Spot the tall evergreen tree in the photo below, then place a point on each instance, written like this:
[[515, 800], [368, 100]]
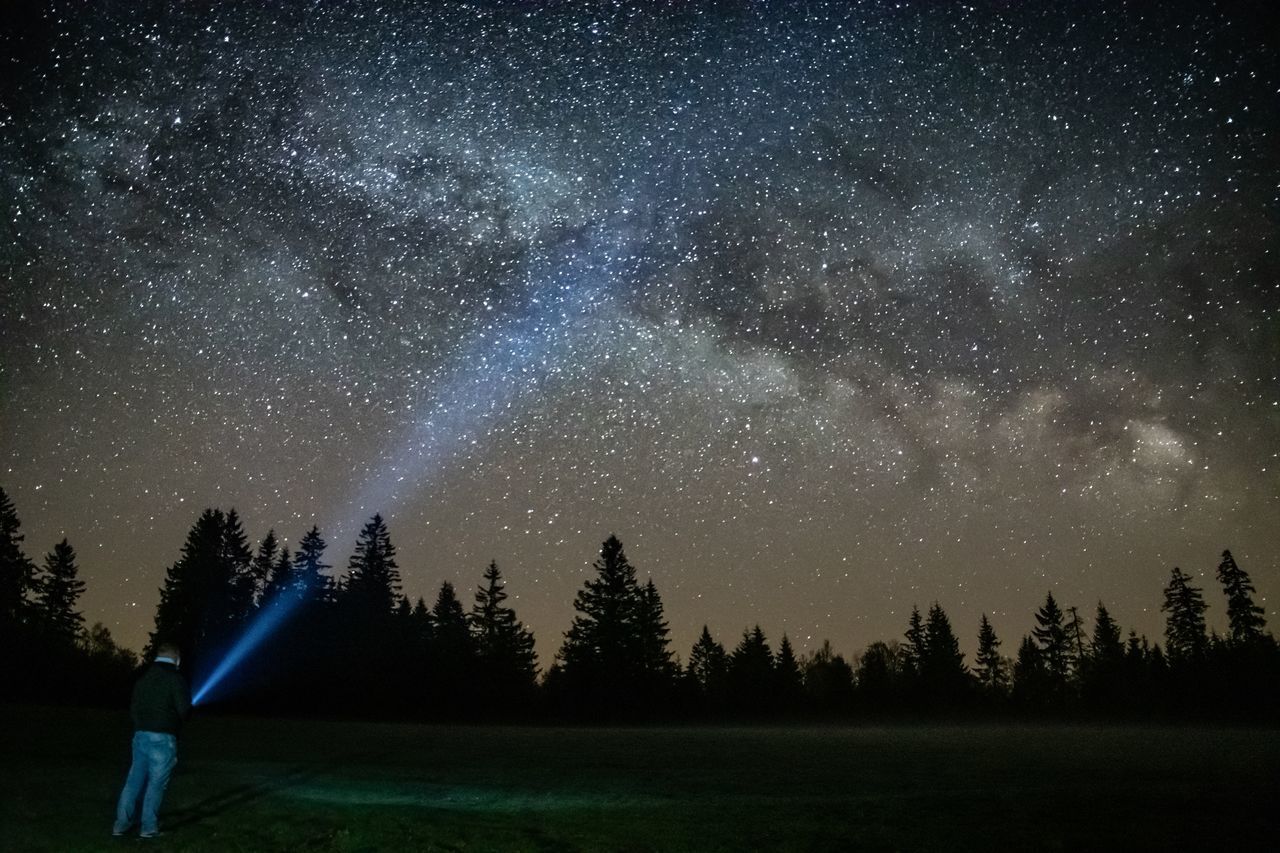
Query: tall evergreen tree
[[373, 577], [1105, 647], [262, 567], [503, 644], [17, 572], [787, 677], [60, 589], [942, 669], [1054, 643], [1079, 652], [237, 559], [310, 576], [751, 673], [656, 666], [599, 655], [192, 608], [1030, 675], [1185, 636], [708, 667], [991, 671], [1246, 619], [914, 651]]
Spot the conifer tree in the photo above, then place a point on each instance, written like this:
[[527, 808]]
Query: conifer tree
[[60, 589], [309, 576], [373, 577], [191, 611], [1030, 674], [708, 665], [914, 651], [1054, 644], [942, 670], [599, 655], [991, 666], [504, 646], [282, 583], [1245, 619], [1105, 647], [262, 567], [17, 572], [1185, 636], [751, 673], [788, 680], [654, 661], [1075, 639], [240, 591]]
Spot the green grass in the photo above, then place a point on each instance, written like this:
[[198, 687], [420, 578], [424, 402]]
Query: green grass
[[261, 785]]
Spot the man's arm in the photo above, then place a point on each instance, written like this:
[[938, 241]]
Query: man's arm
[[183, 698]]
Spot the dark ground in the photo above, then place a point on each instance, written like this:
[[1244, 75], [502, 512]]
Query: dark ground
[[260, 785]]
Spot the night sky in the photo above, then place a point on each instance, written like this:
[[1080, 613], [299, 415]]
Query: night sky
[[823, 309]]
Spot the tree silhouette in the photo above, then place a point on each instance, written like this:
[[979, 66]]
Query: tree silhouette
[[192, 608], [879, 675], [708, 670], [942, 669], [17, 572], [599, 659], [1031, 679], [373, 578], [1054, 643], [60, 589], [657, 669], [751, 680], [914, 651], [787, 677], [991, 666], [503, 645], [1245, 618], [1184, 633], [828, 680], [262, 567]]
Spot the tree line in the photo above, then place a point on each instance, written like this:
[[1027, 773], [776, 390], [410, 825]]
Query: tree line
[[352, 643]]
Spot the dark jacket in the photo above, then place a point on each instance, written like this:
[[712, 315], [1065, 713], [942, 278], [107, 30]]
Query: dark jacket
[[161, 700]]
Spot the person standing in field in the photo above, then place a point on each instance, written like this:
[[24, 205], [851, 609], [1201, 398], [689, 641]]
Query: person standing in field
[[160, 703]]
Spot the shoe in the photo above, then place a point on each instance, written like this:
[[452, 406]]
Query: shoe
[[155, 834]]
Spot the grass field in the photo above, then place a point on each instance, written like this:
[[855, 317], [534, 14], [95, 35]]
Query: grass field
[[261, 785]]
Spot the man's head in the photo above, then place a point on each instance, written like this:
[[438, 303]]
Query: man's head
[[168, 653]]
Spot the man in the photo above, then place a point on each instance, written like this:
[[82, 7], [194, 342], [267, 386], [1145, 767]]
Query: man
[[161, 701]]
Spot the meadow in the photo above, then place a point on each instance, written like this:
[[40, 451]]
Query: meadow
[[246, 784]]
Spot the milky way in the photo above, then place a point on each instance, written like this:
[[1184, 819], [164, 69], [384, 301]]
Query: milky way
[[824, 309]]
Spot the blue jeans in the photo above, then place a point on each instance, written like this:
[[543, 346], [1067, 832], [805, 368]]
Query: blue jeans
[[154, 756]]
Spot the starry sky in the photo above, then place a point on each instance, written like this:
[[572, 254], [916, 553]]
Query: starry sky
[[825, 309]]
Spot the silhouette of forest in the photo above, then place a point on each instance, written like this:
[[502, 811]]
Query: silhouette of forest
[[350, 643]]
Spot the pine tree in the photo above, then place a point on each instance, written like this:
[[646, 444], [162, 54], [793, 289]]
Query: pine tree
[[504, 646], [1185, 636], [191, 611], [17, 572], [708, 665], [60, 589], [942, 669], [1030, 675], [237, 560], [788, 680], [282, 583], [751, 673], [914, 651], [656, 667], [1246, 619], [1054, 644], [262, 567], [991, 666], [310, 578], [1075, 639], [599, 657], [1105, 647], [373, 578]]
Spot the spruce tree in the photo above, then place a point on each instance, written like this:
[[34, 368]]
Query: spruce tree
[[1185, 636], [191, 611], [262, 567], [788, 680], [1054, 644], [1246, 619], [991, 666], [942, 670], [310, 578], [17, 572], [654, 661], [373, 577], [751, 673], [914, 651], [60, 589], [708, 665], [504, 646], [1079, 653], [1105, 648], [1030, 675], [241, 589], [599, 658]]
